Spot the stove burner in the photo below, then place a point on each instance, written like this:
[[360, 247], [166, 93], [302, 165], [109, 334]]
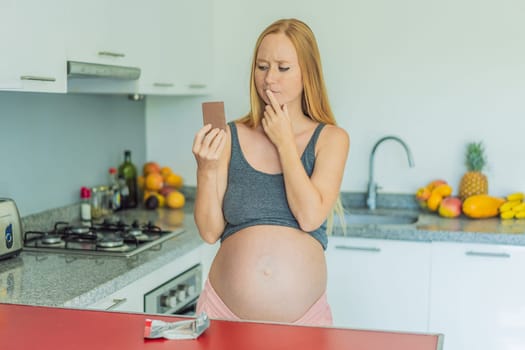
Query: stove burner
[[135, 232], [51, 239], [110, 242], [122, 248]]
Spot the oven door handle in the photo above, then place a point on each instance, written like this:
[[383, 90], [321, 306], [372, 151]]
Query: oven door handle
[[116, 303]]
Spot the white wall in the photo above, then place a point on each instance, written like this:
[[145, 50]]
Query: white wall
[[437, 74]]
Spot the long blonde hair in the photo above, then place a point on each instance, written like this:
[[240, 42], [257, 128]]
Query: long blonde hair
[[315, 99], [315, 103]]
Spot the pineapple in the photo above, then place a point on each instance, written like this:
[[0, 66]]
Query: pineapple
[[474, 181]]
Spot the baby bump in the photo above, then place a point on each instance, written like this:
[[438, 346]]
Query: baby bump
[[269, 273]]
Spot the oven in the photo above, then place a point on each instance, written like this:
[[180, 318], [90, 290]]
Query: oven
[[178, 295]]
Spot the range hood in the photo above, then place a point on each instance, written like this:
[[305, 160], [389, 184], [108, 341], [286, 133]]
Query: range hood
[[77, 69]]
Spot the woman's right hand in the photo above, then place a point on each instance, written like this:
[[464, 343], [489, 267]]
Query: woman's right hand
[[207, 146]]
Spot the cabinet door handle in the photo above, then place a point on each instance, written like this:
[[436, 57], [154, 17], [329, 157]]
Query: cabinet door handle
[[163, 84], [111, 54], [487, 254], [37, 78], [197, 86], [362, 249], [116, 302]]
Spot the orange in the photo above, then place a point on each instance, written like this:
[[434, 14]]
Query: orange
[[154, 181], [165, 171], [150, 167], [175, 200], [174, 180]]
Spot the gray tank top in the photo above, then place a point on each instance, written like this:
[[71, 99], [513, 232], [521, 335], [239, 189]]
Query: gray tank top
[[256, 198]]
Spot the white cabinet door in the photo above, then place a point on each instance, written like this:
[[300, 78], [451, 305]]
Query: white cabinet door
[[32, 46], [102, 31], [378, 284], [128, 299], [176, 48], [478, 296]]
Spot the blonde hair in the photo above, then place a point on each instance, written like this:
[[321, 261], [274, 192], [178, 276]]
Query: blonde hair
[[315, 103], [315, 99]]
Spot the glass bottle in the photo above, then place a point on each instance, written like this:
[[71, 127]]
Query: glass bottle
[[129, 172], [124, 191], [115, 201]]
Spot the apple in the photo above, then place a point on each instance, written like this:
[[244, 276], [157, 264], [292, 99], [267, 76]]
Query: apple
[[450, 207]]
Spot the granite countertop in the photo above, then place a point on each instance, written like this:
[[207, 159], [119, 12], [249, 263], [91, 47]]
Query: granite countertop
[[51, 279], [430, 227]]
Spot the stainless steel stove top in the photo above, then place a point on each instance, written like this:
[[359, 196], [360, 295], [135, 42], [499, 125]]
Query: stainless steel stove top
[[107, 238]]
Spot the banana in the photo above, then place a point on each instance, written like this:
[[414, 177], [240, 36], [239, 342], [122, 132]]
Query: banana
[[509, 205], [505, 215], [519, 208], [516, 196], [520, 215]]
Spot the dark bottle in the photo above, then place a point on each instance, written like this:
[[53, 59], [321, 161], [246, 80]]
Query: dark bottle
[[128, 171]]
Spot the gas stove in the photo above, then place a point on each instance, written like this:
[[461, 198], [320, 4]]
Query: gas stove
[[110, 237]]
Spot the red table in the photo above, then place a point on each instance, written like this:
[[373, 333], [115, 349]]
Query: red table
[[35, 327]]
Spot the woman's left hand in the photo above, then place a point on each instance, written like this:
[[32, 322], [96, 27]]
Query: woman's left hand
[[276, 122]]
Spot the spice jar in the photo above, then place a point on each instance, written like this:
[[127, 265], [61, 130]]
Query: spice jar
[[100, 201], [85, 204]]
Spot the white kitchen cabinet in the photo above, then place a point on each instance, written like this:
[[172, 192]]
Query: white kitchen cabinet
[[32, 46], [176, 48], [104, 32], [378, 284], [101, 31], [477, 296], [170, 41]]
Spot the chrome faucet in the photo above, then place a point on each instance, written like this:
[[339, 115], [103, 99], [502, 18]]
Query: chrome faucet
[[372, 186]]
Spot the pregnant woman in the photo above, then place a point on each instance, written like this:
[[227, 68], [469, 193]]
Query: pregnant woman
[[267, 184]]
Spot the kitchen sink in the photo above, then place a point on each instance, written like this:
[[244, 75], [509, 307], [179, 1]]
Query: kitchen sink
[[371, 218]]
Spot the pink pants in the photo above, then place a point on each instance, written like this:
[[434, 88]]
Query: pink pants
[[319, 313]]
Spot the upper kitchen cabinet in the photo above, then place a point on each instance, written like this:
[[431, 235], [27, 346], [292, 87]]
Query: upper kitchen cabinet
[[170, 41], [33, 50], [176, 48], [99, 31], [103, 32]]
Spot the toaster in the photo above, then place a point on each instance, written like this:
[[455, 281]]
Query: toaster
[[10, 229]]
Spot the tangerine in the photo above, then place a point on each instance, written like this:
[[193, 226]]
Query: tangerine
[[154, 181], [175, 200], [174, 180], [165, 171]]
